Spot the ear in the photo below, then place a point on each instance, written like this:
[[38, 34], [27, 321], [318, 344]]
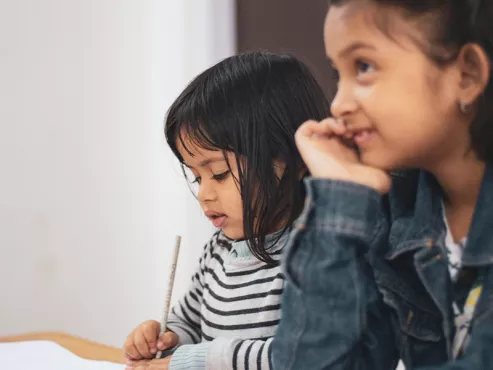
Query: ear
[[474, 68]]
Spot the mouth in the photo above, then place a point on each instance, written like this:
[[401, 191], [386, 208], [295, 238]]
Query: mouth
[[363, 137], [217, 219]]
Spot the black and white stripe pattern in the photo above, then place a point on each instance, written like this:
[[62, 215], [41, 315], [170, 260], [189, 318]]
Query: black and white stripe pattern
[[234, 302]]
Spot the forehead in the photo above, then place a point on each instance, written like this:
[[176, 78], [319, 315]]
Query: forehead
[[193, 153], [382, 27]]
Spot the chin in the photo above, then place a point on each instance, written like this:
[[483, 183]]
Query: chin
[[233, 234], [379, 160]]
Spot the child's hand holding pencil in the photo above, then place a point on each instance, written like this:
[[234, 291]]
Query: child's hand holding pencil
[[150, 339], [145, 341]]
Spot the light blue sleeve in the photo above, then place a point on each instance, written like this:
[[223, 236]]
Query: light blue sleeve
[[223, 354], [190, 357]]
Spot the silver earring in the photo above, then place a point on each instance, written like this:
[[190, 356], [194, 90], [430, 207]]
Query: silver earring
[[463, 107]]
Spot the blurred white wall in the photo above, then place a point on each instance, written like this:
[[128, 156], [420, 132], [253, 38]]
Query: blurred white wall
[[90, 196]]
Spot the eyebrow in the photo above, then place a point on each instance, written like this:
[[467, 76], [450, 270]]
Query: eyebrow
[[207, 162], [353, 47]]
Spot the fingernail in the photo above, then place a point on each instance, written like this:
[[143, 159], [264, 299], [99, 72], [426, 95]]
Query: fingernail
[[160, 345], [153, 350]]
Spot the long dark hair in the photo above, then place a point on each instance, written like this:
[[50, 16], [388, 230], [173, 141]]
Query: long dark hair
[[449, 25], [251, 105]]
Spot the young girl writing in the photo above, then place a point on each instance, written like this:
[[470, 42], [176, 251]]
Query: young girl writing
[[382, 267], [233, 130]]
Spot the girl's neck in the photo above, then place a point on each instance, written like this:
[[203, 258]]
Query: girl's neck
[[460, 178]]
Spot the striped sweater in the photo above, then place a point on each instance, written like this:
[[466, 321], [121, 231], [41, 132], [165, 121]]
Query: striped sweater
[[228, 317]]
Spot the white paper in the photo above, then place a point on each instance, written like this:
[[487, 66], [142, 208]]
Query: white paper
[[45, 355]]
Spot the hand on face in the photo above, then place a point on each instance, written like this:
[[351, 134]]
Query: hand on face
[[323, 147]]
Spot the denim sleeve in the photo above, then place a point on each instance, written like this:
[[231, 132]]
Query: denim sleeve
[[333, 316]]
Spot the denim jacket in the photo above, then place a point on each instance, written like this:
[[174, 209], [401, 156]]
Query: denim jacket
[[368, 281]]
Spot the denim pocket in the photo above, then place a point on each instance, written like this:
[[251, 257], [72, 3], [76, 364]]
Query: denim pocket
[[419, 333], [412, 320]]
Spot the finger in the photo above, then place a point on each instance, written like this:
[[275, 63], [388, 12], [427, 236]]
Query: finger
[[348, 135], [162, 364], [336, 126], [326, 127], [310, 128], [151, 332], [141, 344], [131, 352], [137, 365], [167, 340]]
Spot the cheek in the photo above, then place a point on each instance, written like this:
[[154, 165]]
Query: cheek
[[231, 200], [408, 109], [236, 205], [408, 124], [364, 93]]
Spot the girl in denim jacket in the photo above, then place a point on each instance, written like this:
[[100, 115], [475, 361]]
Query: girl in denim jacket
[[392, 257]]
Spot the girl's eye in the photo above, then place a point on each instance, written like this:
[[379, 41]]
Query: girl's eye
[[197, 180], [221, 176], [364, 67]]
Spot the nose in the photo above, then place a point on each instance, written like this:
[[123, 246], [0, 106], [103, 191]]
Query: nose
[[344, 103], [206, 192]]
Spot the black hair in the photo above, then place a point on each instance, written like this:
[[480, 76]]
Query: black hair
[[251, 105], [449, 25]]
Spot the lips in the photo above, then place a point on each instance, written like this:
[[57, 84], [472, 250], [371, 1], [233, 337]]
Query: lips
[[362, 137], [217, 219]]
